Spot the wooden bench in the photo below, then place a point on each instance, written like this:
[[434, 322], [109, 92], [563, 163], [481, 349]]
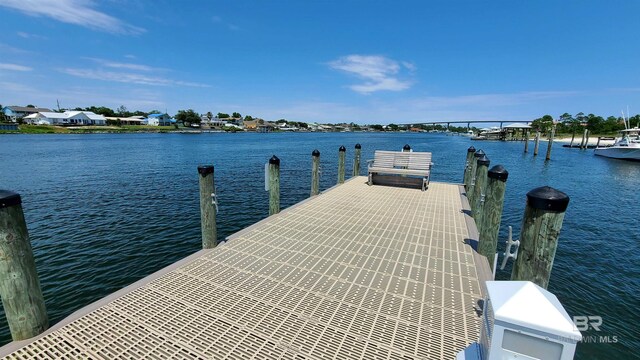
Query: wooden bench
[[401, 163]]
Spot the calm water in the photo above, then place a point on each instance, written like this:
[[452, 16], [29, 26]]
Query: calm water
[[105, 210]]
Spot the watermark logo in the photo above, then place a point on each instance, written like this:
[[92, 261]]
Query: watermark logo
[[592, 322]]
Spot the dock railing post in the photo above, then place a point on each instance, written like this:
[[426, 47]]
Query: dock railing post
[[341, 157], [466, 179], [526, 141], [274, 185], [474, 165], [536, 144], [550, 143], [315, 172], [489, 226], [356, 160], [541, 225], [19, 284], [208, 207], [480, 187]]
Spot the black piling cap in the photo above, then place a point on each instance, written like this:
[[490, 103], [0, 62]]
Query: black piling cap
[[548, 198], [9, 198], [315, 153], [342, 148], [358, 146], [406, 147], [484, 160], [498, 172], [274, 160], [205, 170], [471, 149], [479, 153]]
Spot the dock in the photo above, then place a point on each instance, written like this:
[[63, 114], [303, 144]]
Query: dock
[[357, 272]]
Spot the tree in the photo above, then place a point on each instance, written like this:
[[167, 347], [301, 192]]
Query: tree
[[188, 117], [209, 115], [122, 111], [543, 124], [223, 116], [236, 115], [248, 118], [30, 106]]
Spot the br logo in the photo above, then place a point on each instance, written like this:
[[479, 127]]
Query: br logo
[[584, 323]]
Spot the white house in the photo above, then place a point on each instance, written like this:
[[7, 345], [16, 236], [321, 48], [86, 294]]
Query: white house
[[159, 120], [65, 118], [19, 112]]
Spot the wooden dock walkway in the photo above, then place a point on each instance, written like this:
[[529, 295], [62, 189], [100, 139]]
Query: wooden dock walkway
[[358, 272]]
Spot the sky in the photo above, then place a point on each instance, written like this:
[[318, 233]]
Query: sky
[[368, 62]]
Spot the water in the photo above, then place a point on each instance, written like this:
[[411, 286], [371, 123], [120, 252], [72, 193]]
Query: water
[[105, 210]]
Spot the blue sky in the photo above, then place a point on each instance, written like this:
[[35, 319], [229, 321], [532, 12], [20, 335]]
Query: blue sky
[[326, 61]]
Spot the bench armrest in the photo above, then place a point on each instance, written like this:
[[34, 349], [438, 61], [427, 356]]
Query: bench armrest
[[369, 162]]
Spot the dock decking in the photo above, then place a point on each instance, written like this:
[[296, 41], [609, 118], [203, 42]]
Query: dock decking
[[358, 272]]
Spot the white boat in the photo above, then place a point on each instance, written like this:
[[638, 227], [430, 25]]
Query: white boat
[[627, 147]]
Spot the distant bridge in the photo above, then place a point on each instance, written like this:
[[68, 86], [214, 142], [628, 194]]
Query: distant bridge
[[468, 122]]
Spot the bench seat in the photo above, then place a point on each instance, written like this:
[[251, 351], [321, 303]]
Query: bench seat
[[401, 163]]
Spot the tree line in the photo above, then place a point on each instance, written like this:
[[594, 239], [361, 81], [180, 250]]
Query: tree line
[[571, 124]]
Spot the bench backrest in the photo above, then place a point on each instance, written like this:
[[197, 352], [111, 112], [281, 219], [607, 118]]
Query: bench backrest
[[396, 159]]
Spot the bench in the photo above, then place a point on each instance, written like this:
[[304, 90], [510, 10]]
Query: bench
[[401, 163]]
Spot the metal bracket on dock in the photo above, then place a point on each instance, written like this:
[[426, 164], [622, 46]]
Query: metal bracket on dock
[[214, 201], [481, 198], [507, 252]]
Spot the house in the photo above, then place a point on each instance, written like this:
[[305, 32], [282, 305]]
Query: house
[[265, 127], [250, 124], [65, 118], [18, 112], [213, 122], [159, 120], [131, 120]]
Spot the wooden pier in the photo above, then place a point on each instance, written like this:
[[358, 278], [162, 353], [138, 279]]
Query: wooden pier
[[357, 272]]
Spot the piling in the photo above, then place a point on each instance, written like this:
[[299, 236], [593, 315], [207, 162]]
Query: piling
[[573, 136], [586, 142], [356, 160], [526, 142], [582, 143], [406, 148], [19, 284], [467, 167], [541, 224], [274, 185], [536, 144], [315, 172], [598, 143], [474, 165], [482, 168], [550, 143], [208, 207], [341, 156], [489, 226]]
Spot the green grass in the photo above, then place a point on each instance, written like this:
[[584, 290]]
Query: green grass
[[50, 129]]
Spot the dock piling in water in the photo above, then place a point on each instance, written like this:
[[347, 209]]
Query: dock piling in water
[[489, 225], [550, 142], [583, 144], [315, 172], [541, 225], [467, 167], [479, 189], [208, 207], [536, 144], [341, 157], [356, 160], [274, 185], [526, 141], [19, 284], [474, 165]]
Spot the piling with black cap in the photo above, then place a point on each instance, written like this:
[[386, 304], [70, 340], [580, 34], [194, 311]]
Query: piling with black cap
[[208, 207], [550, 142], [474, 165], [342, 152], [406, 148], [467, 167], [274, 185], [489, 226], [19, 284], [482, 168], [541, 225], [356, 160], [315, 172], [536, 144]]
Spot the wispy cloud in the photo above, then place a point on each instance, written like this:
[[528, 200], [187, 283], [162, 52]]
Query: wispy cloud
[[14, 67], [26, 35], [218, 20], [77, 12], [120, 65], [4, 48], [125, 77], [378, 72], [487, 100]]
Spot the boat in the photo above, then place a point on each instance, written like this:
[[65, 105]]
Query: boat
[[627, 147]]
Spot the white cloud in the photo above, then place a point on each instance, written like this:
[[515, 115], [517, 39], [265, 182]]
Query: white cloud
[[119, 65], [127, 77], [27, 35], [378, 72], [14, 67], [77, 12]]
